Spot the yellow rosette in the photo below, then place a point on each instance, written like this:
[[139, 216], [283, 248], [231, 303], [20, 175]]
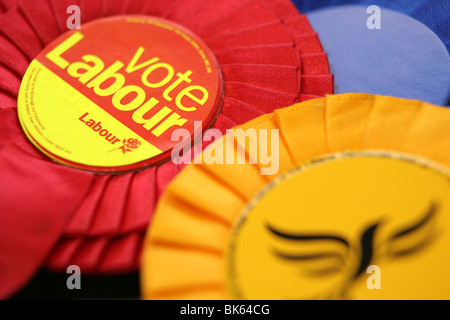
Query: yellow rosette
[[358, 208]]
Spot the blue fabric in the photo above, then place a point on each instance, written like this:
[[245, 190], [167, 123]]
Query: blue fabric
[[403, 59], [435, 14]]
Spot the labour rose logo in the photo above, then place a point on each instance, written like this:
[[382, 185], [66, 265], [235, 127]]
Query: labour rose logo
[[128, 145]]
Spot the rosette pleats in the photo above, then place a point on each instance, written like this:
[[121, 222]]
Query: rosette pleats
[[269, 57]]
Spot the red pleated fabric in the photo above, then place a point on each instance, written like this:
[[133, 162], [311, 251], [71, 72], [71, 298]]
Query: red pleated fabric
[[270, 58]]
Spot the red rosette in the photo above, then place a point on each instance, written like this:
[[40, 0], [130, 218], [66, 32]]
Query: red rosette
[[270, 58]]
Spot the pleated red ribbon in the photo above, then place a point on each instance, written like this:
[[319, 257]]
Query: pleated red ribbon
[[58, 216]]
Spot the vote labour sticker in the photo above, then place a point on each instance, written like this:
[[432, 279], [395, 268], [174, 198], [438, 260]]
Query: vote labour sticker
[[108, 96]]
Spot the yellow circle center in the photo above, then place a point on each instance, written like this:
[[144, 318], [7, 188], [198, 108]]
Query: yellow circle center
[[353, 225]]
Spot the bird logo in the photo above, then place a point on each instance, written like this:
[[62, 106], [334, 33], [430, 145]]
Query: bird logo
[[352, 259], [364, 225]]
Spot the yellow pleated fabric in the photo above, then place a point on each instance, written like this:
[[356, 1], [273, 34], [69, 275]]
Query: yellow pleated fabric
[[183, 257]]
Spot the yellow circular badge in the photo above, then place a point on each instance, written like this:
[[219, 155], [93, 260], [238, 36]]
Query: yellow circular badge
[[367, 223], [363, 225], [109, 96]]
